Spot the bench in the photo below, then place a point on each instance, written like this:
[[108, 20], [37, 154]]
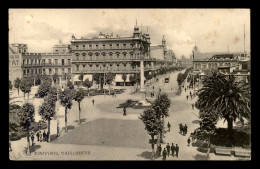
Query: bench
[[242, 152], [223, 151]]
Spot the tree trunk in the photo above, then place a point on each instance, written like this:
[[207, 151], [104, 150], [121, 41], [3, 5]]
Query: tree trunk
[[18, 90], [28, 95], [88, 92], [79, 111], [28, 142], [66, 129], [152, 146], [230, 124], [49, 130], [109, 89]]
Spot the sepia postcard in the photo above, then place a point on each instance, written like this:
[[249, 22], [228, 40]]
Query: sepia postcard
[[129, 84]]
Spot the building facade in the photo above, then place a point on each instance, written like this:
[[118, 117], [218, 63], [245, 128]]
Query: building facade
[[119, 55]]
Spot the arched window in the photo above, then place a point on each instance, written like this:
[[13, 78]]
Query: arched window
[[77, 54], [117, 55], [124, 54], [83, 54]]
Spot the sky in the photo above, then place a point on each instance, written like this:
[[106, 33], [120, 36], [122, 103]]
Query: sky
[[213, 30]]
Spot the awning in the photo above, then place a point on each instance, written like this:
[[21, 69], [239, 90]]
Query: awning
[[89, 77], [76, 78], [119, 78]]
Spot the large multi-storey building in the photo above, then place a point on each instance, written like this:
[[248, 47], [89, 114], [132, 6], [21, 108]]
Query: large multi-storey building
[[23, 64], [117, 55]]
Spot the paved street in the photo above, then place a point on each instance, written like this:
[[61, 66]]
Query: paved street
[[108, 135]]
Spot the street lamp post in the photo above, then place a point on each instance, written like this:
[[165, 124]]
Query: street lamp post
[[193, 85]]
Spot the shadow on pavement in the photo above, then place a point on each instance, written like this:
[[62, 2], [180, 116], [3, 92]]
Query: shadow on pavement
[[53, 137], [81, 120], [195, 122], [200, 157], [32, 148], [146, 155]]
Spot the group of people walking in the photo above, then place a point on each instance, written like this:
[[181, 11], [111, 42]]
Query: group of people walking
[[173, 150], [41, 136], [183, 129]]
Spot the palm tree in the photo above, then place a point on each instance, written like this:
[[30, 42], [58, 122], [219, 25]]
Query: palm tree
[[224, 95]]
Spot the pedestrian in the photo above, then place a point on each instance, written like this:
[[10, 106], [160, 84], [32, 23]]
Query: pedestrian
[[188, 141], [153, 87], [187, 97], [185, 89], [124, 110], [38, 135], [172, 149], [115, 95], [190, 93], [44, 136], [151, 94], [192, 105], [181, 127], [39, 125], [10, 148], [47, 136], [159, 150], [185, 129], [164, 154], [177, 150], [169, 126], [32, 138], [168, 149]]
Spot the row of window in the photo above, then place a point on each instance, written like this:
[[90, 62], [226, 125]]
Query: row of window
[[212, 65], [104, 56], [108, 66], [34, 61], [40, 71], [104, 46]]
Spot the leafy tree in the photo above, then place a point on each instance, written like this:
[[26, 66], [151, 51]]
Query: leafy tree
[[223, 95], [10, 85], [70, 85], [81, 76], [153, 125], [207, 127], [38, 80], [124, 76], [55, 78], [161, 106], [17, 83], [78, 98], [66, 98], [87, 83], [25, 86], [26, 116], [47, 110], [133, 80], [44, 88], [109, 79], [97, 78]]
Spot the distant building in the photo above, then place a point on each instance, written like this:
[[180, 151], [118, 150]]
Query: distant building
[[61, 48], [160, 52]]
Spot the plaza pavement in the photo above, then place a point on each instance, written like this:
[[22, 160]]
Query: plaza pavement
[[105, 108]]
